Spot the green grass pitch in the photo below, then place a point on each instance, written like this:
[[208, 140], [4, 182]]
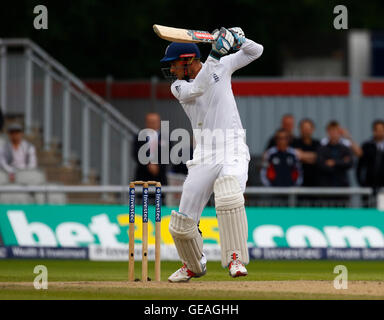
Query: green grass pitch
[[108, 280]]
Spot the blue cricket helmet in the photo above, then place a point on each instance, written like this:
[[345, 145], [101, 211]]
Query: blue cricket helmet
[[178, 50]]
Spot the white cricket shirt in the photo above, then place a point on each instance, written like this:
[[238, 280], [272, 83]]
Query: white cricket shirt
[[210, 105]]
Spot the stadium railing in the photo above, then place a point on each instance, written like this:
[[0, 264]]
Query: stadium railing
[[51, 98], [354, 197]]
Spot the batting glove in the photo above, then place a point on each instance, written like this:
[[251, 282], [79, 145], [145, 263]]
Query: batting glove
[[239, 36], [223, 43]]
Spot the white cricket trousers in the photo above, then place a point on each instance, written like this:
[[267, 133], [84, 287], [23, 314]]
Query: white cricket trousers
[[198, 186]]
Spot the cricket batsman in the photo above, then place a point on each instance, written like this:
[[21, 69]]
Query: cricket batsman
[[204, 91]]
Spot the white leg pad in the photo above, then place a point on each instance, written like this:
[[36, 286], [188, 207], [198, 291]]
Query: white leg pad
[[188, 241], [232, 220]]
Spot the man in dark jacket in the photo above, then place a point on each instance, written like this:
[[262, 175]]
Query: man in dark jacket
[[334, 159], [154, 170], [281, 167], [307, 147], [370, 168]]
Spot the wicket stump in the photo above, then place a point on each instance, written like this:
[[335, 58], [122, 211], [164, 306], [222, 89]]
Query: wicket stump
[[144, 261]]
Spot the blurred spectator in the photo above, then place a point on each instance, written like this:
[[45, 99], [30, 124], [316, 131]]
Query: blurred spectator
[[287, 124], [334, 159], [345, 139], [306, 147], [281, 167], [370, 168], [154, 170], [17, 153]]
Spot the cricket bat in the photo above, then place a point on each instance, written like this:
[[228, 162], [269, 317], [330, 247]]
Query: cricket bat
[[182, 35]]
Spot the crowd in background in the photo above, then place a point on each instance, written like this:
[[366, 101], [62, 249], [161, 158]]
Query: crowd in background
[[302, 160], [307, 161]]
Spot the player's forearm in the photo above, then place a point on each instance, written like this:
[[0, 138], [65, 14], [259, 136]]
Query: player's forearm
[[252, 49], [248, 52]]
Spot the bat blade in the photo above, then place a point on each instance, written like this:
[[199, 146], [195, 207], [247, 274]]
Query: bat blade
[[182, 35]]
